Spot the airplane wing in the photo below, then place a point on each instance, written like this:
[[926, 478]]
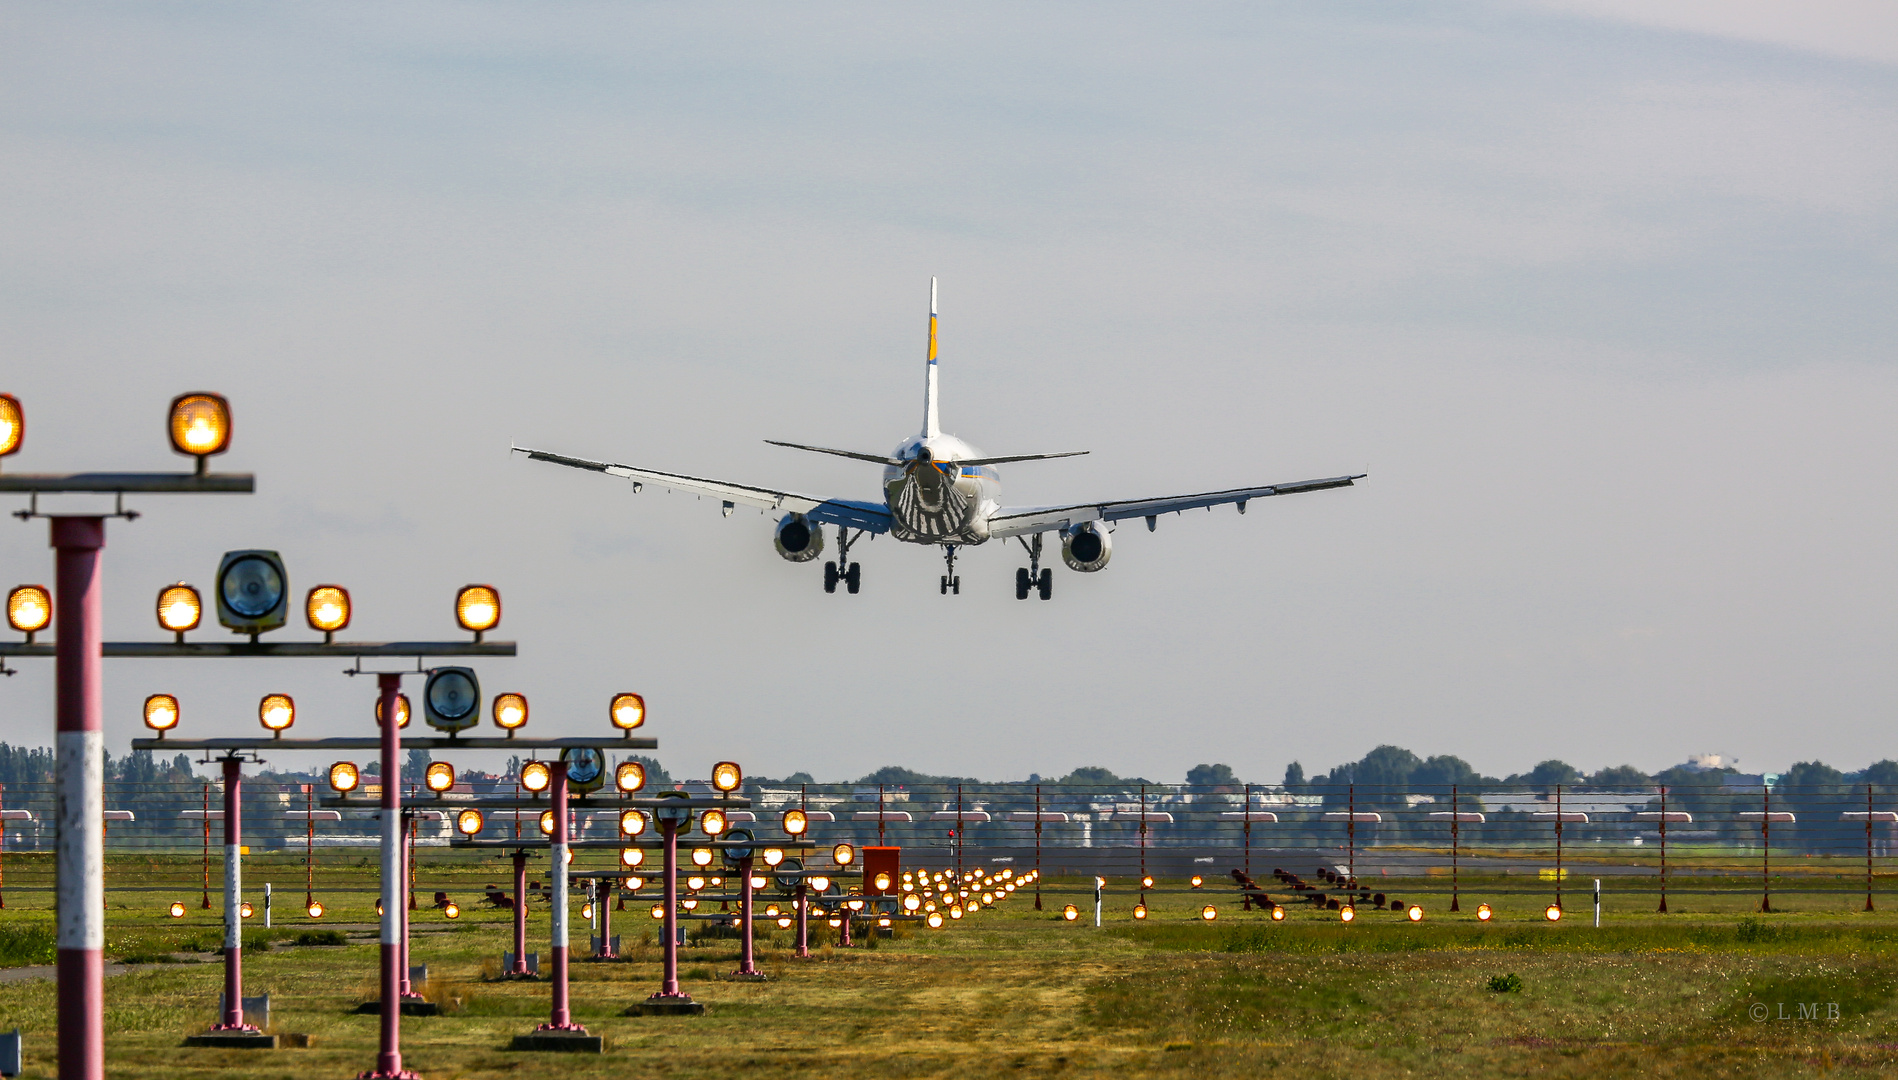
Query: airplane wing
[[1021, 521], [868, 516]]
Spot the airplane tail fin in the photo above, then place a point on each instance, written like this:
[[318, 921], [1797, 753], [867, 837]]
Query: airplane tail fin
[[930, 426]]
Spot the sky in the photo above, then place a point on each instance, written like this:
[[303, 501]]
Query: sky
[[1598, 293]]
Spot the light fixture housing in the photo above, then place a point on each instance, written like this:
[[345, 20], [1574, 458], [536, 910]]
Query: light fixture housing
[[1414, 913], [632, 822], [773, 856], [276, 712], [843, 854], [452, 910], [881, 882], [1278, 913], [1140, 911], [586, 769], [727, 776], [315, 910], [820, 884], [630, 857], [180, 608], [627, 711], [161, 713], [478, 609], [252, 591], [796, 822], [547, 822], [1209, 913], [1483, 913], [934, 920], [510, 712], [702, 856], [439, 777], [1198, 881], [451, 699], [629, 776], [402, 711], [469, 822], [200, 425], [1553, 913], [245, 909], [670, 810], [659, 911], [535, 776], [177, 910], [326, 608], [1070, 912], [12, 425], [712, 822], [29, 609], [345, 777]]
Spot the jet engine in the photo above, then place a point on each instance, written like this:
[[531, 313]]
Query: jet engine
[[1085, 547], [798, 540]]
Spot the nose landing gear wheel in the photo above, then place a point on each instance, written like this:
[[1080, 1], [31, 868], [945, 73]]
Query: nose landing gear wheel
[[1021, 583], [853, 578], [1047, 584], [951, 583], [830, 577]]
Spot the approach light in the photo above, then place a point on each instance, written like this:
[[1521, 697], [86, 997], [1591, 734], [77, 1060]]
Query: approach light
[[452, 910], [586, 768], [796, 822], [771, 911], [1140, 911], [586, 912], [1198, 881], [161, 713], [253, 592], [478, 609], [820, 883], [1414, 913], [177, 910], [855, 903], [1553, 913], [1347, 913], [315, 909], [630, 776], [439, 777], [690, 903], [1070, 912], [632, 822], [12, 425], [401, 711], [1209, 913], [784, 922], [344, 776], [1278, 913], [695, 883], [535, 776], [1146, 882], [30, 609], [835, 923], [510, 712], [378, 905], [773, 856], [627, 711], [469, 822], [546, 822], [451, 699], [843, 854], [179, 609], [955, 911], [631, 856], [659, 911], [757, 881], [881, 882], [912, 902], [671, 809], [1482, 912], [276, 712], [326, 608], [200, 426], [701, 856], [634, 883], [727, 776], [712, 822], [934, 920], [245, 910]]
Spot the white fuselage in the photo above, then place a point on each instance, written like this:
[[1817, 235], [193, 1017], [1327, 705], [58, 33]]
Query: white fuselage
[[932, 499]]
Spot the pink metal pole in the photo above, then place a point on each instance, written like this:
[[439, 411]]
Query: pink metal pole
[[803, 920], [389, 1058], [520, 914], [562, 1019], [746, 969], [233, 1018], [80, 768], [605, 902], [669, 985]]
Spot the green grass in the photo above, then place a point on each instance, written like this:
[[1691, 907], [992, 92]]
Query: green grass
[[1023, 993]]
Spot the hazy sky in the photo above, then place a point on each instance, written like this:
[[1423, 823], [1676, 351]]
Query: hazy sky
[[1599, 293]]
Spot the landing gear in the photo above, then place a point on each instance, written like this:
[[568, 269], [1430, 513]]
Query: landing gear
[[851, 574], [1033, 576], [950, 582]]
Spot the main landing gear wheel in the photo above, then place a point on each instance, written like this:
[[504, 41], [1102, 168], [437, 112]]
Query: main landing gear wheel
[[843, 569], [1021, 583], [830, 577], [1047, 584], [950, 582], [853, 578], [1033, 576]]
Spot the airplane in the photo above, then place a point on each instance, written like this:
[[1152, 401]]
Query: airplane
[[939, 490]]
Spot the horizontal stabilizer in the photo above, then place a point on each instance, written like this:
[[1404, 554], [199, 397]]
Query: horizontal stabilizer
[[881, 459], [1018, 457]]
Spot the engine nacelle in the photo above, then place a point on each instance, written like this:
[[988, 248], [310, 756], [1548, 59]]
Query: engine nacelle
[[798, 540], [1086, 547]]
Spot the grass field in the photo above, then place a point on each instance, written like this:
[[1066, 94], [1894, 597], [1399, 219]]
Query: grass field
[[1023, 993]]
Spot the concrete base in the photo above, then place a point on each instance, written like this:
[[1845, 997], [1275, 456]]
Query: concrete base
[[672, 1007], [233, 1040], [748, 976], [572, 1042], [410, 1007]]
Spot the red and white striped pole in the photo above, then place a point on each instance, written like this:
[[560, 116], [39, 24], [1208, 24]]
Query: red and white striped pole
[[562, 1018], [394, 872], [233, 1018], [80, 771]]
